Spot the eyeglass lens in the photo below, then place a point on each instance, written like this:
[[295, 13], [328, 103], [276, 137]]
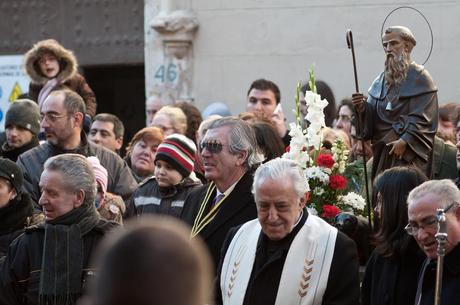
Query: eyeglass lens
[[212, 146]]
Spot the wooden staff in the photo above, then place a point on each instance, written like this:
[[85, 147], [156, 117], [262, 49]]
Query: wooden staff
[[358, 125]]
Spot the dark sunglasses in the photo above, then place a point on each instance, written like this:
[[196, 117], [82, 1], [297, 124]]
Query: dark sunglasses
[[212, 146]]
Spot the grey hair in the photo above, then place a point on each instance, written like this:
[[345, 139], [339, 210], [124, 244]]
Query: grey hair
[[73, 102], [77, 174], [404, 32], [279, 169], [445, 189], [241, 138]]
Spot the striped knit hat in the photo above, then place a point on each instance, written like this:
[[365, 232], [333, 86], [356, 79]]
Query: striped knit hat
[[179, 152]]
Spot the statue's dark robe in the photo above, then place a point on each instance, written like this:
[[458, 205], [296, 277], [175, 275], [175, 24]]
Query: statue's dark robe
[[413, 117]]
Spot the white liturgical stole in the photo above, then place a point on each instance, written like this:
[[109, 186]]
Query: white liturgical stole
[[305, 272]]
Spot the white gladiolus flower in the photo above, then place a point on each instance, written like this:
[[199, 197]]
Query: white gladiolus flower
[[315, 117]]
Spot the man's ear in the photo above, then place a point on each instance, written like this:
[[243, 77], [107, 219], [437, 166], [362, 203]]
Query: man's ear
[[79, 198], [119, 142], [457, 212], [304, 199], [79, 118], [242, 157]]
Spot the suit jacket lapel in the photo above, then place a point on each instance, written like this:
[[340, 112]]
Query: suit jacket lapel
[[238, 199]]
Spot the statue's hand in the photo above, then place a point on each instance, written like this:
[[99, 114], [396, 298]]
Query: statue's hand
[[358, 100], [398, 148]]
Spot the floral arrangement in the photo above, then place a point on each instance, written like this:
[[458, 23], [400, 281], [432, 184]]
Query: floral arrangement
[[323, 169]]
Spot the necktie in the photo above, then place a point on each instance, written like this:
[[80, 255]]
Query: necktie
[[217, 199], [418, 295]]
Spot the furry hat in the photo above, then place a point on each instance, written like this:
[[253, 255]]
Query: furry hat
[[179, 152], [67, 61], [24, 113]]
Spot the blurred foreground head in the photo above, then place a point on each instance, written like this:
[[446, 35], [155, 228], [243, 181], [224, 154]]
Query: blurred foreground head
[[152, 261]]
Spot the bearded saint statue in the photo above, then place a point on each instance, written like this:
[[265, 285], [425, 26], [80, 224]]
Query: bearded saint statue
[[400, 116]]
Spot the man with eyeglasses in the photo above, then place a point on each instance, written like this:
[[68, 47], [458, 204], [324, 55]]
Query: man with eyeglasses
[[229, 159], [423, 202], [62, 115]]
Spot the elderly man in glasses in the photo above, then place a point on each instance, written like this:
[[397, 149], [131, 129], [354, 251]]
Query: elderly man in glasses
[[62, 115], [423, 202], [228, 150]]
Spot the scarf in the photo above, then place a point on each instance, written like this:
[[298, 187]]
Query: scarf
[[63, 254], [14, 215], [13, 153], [45, 91]]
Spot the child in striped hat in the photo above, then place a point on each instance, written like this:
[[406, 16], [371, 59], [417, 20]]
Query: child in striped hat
[[165, 193], [174, 160]]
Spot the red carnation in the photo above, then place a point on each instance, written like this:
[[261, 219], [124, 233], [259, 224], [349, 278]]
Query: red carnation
[[330, 211], [337, 182], [325, 160], [287, 149]]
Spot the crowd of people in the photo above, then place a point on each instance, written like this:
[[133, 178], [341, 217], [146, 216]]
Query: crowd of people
[[203, 209]]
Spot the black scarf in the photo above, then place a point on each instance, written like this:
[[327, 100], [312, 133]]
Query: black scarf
[[63, 254], [13, 153], [14, 215]]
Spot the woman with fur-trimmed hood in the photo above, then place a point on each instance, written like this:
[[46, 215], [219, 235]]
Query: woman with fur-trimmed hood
[[52, 67]]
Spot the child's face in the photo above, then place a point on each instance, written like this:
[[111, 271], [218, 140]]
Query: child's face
[[166, 175], [49, 65]]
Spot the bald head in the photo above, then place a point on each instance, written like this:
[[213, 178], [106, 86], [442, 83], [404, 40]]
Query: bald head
[[405, 34]]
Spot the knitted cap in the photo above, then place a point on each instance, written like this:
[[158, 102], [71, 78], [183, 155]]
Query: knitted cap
[[11, 172], [100, 173], [179, 152], [24, 113]]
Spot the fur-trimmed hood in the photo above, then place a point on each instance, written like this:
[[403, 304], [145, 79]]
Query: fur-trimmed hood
[[67, 61]]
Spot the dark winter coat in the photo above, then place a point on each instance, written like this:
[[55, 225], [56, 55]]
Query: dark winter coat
[[237, 209], [21, 269], [392, 281], [68, 76], [150, 198], [14, 217], [342, 285], [13, 153], [120, 180], [450, 294]]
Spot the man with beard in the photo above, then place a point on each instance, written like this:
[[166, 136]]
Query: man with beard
[[62, 115], [401, 113]]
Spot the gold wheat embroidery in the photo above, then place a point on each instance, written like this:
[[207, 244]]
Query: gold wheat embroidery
[[306, 276], [236, 267]]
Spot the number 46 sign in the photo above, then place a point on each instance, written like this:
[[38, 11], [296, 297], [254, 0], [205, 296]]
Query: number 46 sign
[[167, 74]]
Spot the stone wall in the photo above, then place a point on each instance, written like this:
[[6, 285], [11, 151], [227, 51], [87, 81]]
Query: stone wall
[[238, 41]]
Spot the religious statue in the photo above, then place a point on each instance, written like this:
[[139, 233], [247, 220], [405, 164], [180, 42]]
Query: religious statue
[[401, 113]]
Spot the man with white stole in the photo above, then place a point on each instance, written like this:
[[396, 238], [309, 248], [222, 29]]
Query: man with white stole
[[286, 256]]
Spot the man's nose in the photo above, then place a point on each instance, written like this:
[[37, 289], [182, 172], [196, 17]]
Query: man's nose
[[272, 214], [44, 123], [96, 138], [259, 106], [13, 131]]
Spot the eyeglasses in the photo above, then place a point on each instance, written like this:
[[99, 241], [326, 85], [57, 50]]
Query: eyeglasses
[[429, 224], [212, 146], [51, 117]]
